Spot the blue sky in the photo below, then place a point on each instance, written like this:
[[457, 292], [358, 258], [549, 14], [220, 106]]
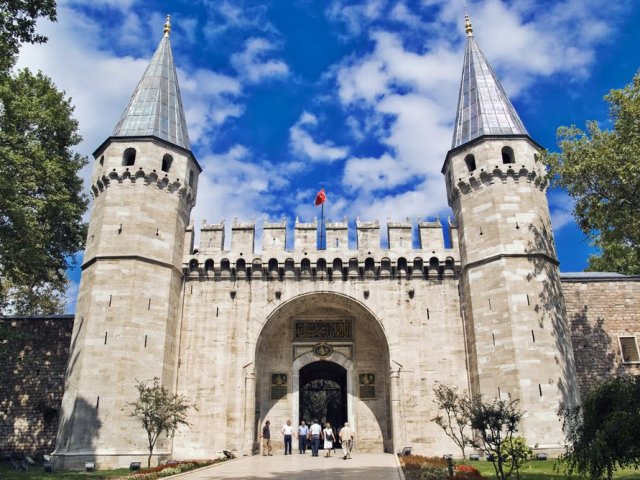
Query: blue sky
[[284, 96]]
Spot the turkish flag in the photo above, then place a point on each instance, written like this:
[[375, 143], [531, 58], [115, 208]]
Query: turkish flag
[[321, 197]]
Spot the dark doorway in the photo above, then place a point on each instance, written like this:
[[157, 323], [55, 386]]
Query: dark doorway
[[323, 394]]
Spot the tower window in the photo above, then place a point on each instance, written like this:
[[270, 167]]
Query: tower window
[[129, 157], [470, 160], [102, 160], [191, 178], [507, 155], [166, 162]]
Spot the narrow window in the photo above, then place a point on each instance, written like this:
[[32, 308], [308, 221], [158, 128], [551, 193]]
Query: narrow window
[[105, 337], [533, 336], [470, 160], [145, 341], [129, 157], [540, 389], [98, 402], [102, 160], [493, 335], [507, 155], [166, 162], [629, 348], [191, 178]]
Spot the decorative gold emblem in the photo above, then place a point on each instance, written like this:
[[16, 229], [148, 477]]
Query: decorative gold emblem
[[322, 350]]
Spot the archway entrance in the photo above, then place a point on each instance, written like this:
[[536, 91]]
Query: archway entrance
[[324, 356], [323, 393]]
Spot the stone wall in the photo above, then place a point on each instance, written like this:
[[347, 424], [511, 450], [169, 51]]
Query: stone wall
[[600, 309], [34, 352]]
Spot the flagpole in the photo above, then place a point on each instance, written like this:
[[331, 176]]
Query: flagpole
[[323, 246]]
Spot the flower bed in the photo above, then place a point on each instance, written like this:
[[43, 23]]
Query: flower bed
[[418, 467], [170, 469]]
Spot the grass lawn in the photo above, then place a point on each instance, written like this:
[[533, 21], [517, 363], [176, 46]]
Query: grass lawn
[[37, 473], [543, 470]]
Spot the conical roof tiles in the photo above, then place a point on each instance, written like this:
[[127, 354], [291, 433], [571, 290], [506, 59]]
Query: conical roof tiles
[[483, 106], [155, 108]]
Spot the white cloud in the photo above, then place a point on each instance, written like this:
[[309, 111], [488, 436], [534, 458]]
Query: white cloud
[[303, 144], [252, 63], [561, 207], [367, 174]]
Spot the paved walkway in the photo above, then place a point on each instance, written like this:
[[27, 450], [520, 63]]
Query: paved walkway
[[369, 466]]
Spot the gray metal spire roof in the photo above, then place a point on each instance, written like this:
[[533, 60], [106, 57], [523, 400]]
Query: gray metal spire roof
[[155, 107], [483, 106]]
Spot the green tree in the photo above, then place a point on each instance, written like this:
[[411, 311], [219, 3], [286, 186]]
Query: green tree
[[600, 169], [455, 419], [603, 433], [41, 199], [518, 452], [18, 20], [495, 422], [159, 411]]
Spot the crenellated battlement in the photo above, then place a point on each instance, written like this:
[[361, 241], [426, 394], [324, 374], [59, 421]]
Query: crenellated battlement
[[312, 257], [476, 180], [162, 182]]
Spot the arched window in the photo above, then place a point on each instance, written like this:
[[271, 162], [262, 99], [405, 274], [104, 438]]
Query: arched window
[[193, 265], [337, 268], [369, 267], [418, 268], [289, 268], [507, 155], [241, 268], [353, 268], [256, 268], [305, 267], [402, 267], [166, 162], [273, 268], [102, 160], [225, 268], [385, 267], [129, 157], [191, 178], [321, 265], [208, 266], [470, 160]]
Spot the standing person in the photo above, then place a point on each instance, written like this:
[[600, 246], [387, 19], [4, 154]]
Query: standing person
[[266, 439], [346, 438], [328, 439], [303, 431], [287, 431], [314, 432]]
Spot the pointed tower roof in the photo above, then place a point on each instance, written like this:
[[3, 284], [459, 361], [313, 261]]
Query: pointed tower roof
[[483, 106], [155, 108]]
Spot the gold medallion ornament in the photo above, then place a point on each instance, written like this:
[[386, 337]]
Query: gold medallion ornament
[[322, 350]]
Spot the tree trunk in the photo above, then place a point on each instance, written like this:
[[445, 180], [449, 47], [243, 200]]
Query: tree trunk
[[149, 459]]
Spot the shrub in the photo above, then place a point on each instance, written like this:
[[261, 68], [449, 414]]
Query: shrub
[[466, 472], [434, 471]]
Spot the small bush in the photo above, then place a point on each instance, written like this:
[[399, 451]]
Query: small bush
[[431, 471], [466, 472]]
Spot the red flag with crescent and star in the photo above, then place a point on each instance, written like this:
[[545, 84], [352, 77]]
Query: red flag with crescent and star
[[321, 197]]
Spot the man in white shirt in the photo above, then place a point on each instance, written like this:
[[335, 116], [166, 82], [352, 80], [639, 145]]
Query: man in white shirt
[[346, 438], [287, 431], [314, 431]]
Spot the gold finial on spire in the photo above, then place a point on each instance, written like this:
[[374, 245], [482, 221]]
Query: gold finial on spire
[[167, 26], [467, 25]]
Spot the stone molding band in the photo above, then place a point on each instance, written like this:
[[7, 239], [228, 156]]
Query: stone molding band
[[138, 258], [500, 256]]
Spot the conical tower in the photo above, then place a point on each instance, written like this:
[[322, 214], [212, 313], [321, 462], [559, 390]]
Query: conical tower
[[144, 187], [512, 304]]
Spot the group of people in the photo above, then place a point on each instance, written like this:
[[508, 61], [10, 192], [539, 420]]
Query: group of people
[[310, 435]]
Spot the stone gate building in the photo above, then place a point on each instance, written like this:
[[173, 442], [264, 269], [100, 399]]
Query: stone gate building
[[336, 334]]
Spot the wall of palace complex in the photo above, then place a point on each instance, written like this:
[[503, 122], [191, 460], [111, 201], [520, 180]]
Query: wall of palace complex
[[231, 312]]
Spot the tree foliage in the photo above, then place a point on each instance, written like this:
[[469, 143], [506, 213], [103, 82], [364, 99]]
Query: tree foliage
[[41, 199], [600, 169], [495, 422], [18, 20], [159, 411], [603, 434], [454, 420]]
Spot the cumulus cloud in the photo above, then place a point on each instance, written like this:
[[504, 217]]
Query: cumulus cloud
[[253, 62], [302, 143]]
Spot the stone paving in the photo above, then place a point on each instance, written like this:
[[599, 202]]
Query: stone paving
[[369, 466]]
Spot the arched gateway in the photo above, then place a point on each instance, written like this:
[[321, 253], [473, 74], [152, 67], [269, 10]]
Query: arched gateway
[[325, 356]]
